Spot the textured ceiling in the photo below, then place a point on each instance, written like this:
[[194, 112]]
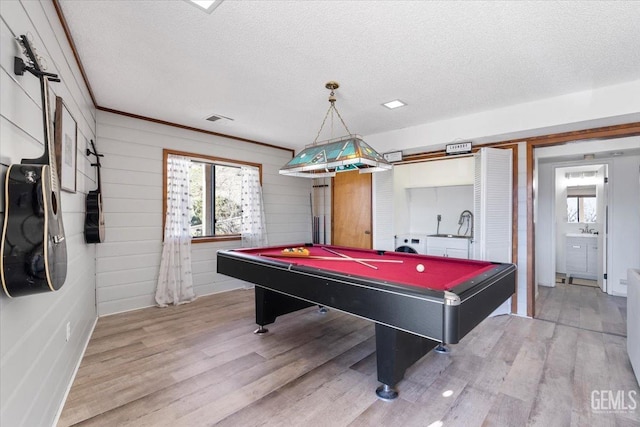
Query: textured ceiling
[[265, 63]]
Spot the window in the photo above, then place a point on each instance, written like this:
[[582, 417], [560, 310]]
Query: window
[[215, 195], [581, 204]]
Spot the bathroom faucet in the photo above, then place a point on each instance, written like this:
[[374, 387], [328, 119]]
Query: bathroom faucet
[[586, 229]]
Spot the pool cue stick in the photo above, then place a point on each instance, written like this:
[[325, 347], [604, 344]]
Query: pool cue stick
[[324, 208], [324, 220], [348, 257], [313, 219], [332, 258]]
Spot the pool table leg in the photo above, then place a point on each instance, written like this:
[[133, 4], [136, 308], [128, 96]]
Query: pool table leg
[[261, 330], [396, 351], [441, 348], [270, 304]]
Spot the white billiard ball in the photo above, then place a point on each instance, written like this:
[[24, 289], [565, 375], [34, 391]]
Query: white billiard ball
[[420, 268]]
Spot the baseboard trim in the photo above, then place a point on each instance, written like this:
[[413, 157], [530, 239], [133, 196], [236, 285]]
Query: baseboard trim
[[75, 372]]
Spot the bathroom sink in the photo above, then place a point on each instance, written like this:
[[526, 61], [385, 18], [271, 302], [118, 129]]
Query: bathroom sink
[[454, 236]]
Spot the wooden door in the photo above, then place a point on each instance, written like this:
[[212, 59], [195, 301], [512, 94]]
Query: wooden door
[[351, 210]]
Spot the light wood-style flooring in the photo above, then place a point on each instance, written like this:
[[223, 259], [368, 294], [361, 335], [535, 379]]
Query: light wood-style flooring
[[200, 364]]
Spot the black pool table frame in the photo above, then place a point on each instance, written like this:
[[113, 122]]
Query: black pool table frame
[[409, 321]]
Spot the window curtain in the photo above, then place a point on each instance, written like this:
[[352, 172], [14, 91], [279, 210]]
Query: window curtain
[[254, 229], [175, 282]]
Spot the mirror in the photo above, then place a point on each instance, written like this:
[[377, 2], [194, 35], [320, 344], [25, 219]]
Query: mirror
[[581, 204]]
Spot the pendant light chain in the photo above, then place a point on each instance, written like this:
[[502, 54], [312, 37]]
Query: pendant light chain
[[332, 108], [321, 126], [343, 123]]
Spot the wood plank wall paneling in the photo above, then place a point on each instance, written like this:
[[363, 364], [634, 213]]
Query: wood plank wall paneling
[[37, 361], [128, 261]]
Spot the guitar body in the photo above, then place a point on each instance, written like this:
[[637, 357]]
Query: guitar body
[[34, 253], [33, 248], [94, 218]]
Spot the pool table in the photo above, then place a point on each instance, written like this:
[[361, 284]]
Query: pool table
[[414, 311]]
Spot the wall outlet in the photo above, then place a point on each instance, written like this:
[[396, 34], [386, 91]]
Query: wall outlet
[[68, 331]]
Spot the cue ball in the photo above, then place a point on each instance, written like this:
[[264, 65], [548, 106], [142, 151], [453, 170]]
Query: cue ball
[[420, 268]]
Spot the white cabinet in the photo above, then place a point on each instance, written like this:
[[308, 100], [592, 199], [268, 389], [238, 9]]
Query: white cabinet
[[592, 257], [452, 247], [582, 256]]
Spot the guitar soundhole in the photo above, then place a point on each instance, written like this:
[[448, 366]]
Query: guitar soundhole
[[54, 203]]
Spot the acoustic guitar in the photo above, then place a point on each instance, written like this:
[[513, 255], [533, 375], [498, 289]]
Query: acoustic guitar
[[94, 218], [34, 251]]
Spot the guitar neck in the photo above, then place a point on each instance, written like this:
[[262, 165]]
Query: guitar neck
[[48, 157], [99, 180], [97, 165], [49, 148], [45, 158]]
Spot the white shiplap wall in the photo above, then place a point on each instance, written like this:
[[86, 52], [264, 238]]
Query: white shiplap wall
[[36, 361], [129, 259]]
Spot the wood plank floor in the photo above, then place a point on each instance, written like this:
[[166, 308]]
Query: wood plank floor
[[200, 364]]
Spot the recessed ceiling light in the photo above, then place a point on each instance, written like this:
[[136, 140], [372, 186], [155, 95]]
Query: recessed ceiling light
[[396, 103], [206, 5]]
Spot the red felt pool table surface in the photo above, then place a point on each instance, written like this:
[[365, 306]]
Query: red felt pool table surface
[[439, 273]]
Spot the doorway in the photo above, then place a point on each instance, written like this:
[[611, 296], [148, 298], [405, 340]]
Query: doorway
[[620, 247], [351, 210], [571, 226], [580, 225]]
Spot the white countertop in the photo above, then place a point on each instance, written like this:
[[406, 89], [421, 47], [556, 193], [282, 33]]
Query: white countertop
[[581, 235]]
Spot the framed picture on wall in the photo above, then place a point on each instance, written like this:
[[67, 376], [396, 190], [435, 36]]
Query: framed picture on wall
[[66, 142]]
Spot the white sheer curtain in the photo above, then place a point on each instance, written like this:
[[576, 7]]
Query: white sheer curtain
[[175, 283], [254, 229]]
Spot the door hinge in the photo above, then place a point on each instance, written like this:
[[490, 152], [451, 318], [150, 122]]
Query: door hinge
[[605, 276], [606, 180]]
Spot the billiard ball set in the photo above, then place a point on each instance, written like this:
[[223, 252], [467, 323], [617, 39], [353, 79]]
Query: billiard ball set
[[294, 252]]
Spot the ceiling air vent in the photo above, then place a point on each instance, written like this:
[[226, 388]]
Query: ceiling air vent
[[216, 117]]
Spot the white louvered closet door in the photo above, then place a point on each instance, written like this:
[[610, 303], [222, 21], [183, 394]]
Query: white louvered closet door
[[492, 209], [383, 211], [492, 205]]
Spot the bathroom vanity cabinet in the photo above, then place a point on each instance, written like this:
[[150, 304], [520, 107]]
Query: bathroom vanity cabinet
[[582, 256]]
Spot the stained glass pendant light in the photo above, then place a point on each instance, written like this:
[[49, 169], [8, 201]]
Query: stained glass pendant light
[[342, 154]]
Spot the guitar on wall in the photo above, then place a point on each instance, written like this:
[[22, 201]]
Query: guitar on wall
[[34, 251], [94, 218]]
